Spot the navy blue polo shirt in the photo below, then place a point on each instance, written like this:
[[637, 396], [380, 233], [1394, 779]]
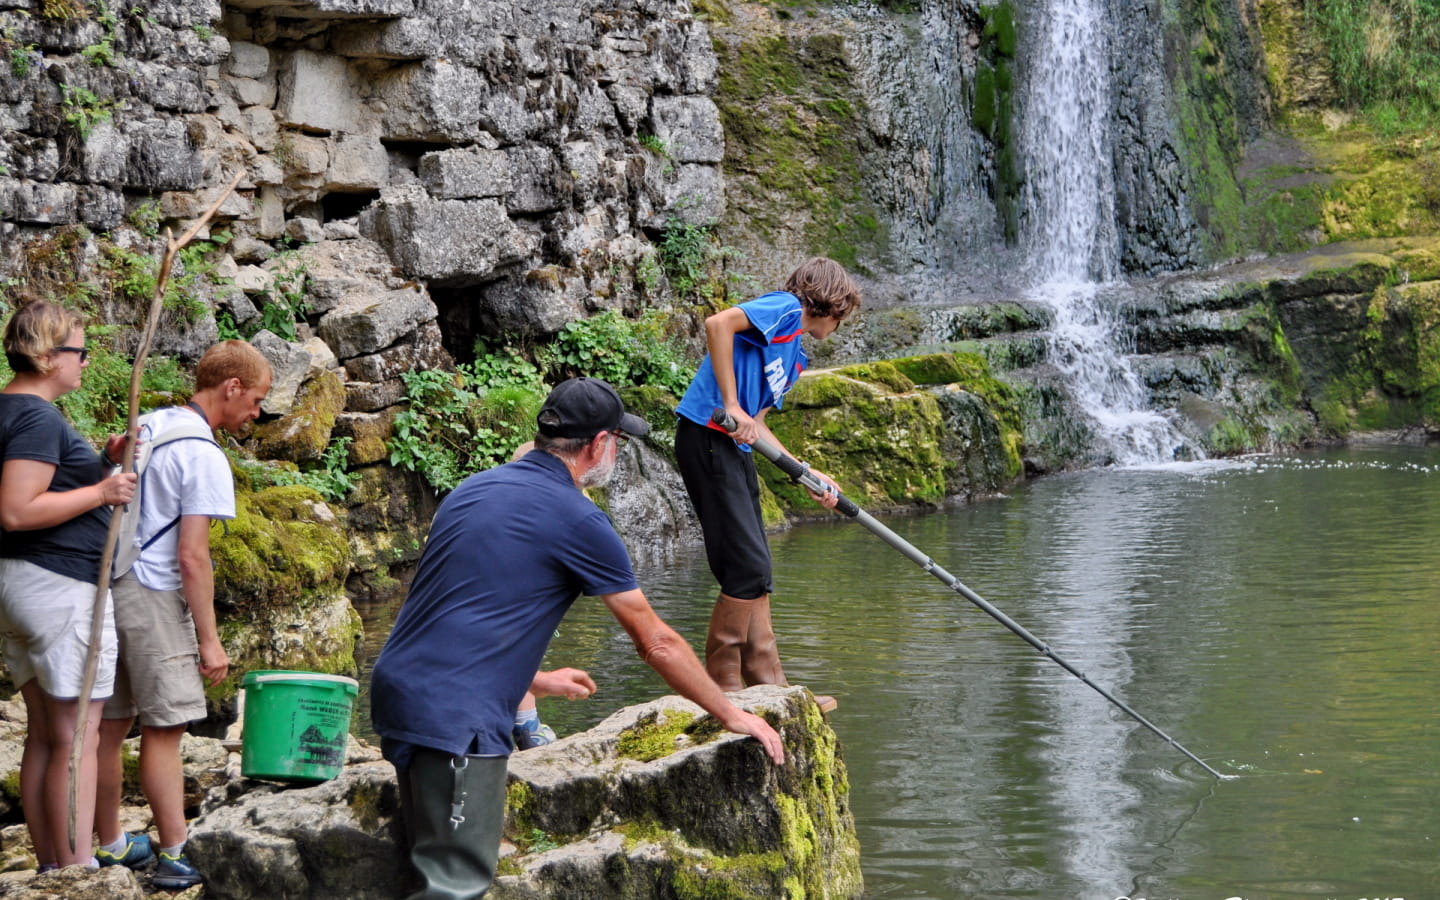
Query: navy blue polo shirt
[[510, 549]]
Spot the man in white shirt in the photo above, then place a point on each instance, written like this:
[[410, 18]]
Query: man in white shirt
[[165, 609]]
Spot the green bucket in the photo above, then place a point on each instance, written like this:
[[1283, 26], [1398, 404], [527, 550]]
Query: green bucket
[[296, 725]]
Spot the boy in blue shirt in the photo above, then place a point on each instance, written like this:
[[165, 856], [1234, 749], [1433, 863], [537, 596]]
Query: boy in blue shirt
[[755, 358]]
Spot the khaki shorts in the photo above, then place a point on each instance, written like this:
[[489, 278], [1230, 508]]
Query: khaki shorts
[[45, 621], [159, 672]]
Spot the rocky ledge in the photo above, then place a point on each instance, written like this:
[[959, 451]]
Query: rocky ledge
[[654, 802]]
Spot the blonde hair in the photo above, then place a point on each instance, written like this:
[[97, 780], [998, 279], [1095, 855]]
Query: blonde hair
[[37, 328], [231, 359], [825, 288]]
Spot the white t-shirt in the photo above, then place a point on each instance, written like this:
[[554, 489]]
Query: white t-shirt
[[185, 478]]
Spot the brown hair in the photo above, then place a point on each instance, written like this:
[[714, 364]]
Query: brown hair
[[38, 327], [231, 359], [825, 288]]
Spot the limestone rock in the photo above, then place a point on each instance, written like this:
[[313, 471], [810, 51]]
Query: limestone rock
[[657, 796], [74, 883], [363, 323], [336, 840], [654, 798], [289, 366], [303, 433], [451, 242]]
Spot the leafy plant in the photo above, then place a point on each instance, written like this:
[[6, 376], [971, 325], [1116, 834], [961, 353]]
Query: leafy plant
[[146, 218], [621, 351], [285, 304], [537, 841], [654, 144], [457, 424], [102, 52], [330, 479], [685, 254], [83, 109], [22, 57]]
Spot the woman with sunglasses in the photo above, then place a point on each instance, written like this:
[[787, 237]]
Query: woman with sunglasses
[[56, 496]]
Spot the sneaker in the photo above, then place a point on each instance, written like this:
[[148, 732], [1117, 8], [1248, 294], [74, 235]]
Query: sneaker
[[47, 867], [175, 872], [137, 853], [526, 739]]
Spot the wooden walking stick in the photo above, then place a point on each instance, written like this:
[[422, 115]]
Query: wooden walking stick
[[112, 537]]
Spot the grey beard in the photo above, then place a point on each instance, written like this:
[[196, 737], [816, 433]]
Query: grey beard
[[599, 475]]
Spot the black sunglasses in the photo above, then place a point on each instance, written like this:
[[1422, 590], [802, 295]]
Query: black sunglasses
[[84, 354], [620, 437]]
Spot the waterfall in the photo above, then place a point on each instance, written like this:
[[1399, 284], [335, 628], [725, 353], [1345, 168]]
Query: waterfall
[[1069, 230]]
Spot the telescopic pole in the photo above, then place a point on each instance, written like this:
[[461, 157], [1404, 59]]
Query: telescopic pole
[[801, 474]]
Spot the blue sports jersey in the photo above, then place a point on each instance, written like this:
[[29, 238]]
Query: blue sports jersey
[[509, 551], [768, 360]]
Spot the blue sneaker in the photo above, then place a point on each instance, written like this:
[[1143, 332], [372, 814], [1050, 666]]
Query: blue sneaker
[[137, 855], [175, 872], [530, 738]]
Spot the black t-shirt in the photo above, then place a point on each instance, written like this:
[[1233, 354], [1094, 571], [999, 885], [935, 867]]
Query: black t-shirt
[[31, 428]]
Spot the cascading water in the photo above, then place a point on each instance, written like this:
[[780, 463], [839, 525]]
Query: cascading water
[[1069, 230]]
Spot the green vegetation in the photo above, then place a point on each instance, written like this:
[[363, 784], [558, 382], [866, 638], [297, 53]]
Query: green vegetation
[[458, 423], [794, 126], [622, 351], [654, 144], [992, 107], [1384, 57], [685, 254], [83, 110], [102, 52], [330, 479]]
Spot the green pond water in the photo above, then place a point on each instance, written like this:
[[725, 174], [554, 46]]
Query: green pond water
[[1278, 616]]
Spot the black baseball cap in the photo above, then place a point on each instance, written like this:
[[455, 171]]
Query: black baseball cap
[[584, 407]]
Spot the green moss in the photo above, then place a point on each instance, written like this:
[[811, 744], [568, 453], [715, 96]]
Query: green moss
[[303, 434], [795, 135], [10, 787], [519, 807], [882, 373], [654, 737], [882, 448], [278, 550], [992, 107], [748, 876], [364, 802]]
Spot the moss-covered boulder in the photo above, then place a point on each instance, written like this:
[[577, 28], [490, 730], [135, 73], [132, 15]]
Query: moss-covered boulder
[[303, 434], [280, 570], [386, 517], [880, 446], [889, 443], [658, 801]]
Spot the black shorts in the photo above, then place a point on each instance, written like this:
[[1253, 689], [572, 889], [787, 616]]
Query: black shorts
[[721, 481]]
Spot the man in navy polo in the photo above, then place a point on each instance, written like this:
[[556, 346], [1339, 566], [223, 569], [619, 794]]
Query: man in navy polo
[[510, 549]]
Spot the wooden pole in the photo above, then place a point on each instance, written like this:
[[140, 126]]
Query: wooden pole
[[112, 537]]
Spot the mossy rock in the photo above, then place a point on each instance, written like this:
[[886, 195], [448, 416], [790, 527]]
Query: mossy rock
[[883, 373], [284, 547], [303, 434], [881, 447]]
